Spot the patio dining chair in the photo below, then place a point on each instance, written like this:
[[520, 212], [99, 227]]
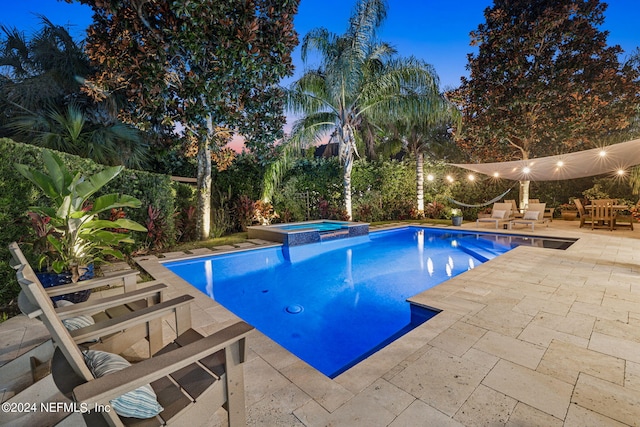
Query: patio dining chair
[[184, 382], [602, 214], [585, 217]]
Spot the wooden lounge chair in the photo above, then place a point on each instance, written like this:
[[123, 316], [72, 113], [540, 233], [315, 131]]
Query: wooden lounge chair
[[191, 377], [532, 216], [603, 214], [111, 316], [500, 215], [585, 217]]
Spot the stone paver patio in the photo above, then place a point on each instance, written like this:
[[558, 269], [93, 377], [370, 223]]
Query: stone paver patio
[[535, 337]]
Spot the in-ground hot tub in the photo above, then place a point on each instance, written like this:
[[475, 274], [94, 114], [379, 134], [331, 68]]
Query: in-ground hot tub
[[302, 233]]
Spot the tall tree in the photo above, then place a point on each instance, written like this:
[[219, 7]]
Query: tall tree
[[428, 136], [543, 81], [41, 70], [42, 102], [199, 66], [359, 81]]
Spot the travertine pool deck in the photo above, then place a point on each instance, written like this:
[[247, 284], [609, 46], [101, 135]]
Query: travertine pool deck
[[535, 337]]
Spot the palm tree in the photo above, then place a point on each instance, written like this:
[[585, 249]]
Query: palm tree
[[427, 134], [41, 70], [43, 104], [359, 81], [72, 132]]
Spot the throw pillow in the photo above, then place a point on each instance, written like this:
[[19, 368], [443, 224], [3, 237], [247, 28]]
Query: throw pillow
[[531, 215], [139, 403], [498, 214], [73, 323]]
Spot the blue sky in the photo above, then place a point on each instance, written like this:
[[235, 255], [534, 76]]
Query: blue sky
[[436, 31]]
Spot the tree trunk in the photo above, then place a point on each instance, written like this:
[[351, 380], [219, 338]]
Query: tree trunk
[[346, 182], [204, 190], [348, 150], [420, 182], [524, 185], [524, 194]]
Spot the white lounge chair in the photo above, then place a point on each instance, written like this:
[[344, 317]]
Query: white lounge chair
[[532, 216], [500, 215]]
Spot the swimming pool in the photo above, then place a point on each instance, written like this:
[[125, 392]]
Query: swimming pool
[[334, 303]]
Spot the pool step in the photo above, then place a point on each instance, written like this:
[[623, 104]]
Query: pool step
[[478, 251]]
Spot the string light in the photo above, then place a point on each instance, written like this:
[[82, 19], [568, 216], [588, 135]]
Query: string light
[[526, 169], [471, 177], [449, 178], [621, 172], [496, 175], [602, 153], [560, 163], [430, 177]]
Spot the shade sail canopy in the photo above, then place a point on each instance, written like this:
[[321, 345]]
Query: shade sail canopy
[[597, 161]]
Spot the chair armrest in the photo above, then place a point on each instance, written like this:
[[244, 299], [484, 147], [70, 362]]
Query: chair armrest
[[126, 278], [101, 304], [128, 320], [104, 389]]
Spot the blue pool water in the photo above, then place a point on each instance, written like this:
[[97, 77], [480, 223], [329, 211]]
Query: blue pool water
[[334, 303]]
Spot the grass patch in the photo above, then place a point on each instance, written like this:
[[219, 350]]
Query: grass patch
[[209, 243]]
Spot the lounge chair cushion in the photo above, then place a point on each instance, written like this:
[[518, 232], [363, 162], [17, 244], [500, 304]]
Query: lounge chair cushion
[[532, 215], [139, 403], [498, 214], [73, 323]]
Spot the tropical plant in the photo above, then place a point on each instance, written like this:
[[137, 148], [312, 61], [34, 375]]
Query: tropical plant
[[156, 224], [359, 84], [245, 211], [71, 131], [79, 236]]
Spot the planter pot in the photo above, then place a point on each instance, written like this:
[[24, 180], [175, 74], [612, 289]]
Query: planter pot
[[456, 220], [49, 279], [569, 215]]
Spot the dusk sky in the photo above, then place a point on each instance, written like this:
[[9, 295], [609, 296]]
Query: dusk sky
[[436, 31]]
